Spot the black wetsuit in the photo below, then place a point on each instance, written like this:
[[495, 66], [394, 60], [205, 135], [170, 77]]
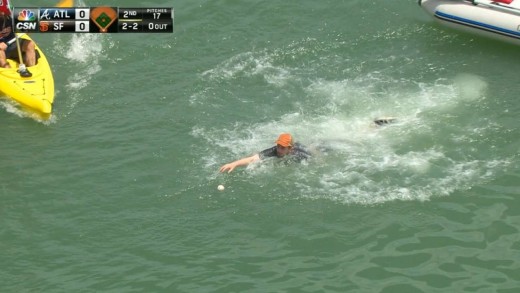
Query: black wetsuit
[[297, 154]]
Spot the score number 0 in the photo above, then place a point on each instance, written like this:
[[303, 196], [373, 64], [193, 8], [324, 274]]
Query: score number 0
[[83, 15]]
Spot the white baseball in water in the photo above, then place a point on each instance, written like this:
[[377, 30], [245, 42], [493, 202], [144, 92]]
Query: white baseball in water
[[220, 187]]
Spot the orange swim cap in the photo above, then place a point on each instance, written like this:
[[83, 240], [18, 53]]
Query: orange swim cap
[[285, 140]]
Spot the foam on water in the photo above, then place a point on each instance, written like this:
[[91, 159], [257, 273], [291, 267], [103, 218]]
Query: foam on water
[[85, 51], [424, 154], [13, 108]]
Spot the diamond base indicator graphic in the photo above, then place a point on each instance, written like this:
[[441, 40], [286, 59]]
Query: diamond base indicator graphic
[[103, 17]]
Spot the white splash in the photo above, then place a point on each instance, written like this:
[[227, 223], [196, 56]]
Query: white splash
[[417, 158]]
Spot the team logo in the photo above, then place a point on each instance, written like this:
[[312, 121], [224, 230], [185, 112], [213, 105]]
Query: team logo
[[44, 26], [26, 15]]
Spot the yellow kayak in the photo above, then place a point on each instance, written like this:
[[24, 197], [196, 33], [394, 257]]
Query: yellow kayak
[[35, 92]]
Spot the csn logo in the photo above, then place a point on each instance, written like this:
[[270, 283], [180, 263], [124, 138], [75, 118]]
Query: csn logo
[[26, 26], [26, 20]]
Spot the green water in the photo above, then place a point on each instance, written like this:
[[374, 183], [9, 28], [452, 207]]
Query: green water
[[117, 192]]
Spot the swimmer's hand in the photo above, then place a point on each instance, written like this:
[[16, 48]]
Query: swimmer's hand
[[227, 167], [242, 162]]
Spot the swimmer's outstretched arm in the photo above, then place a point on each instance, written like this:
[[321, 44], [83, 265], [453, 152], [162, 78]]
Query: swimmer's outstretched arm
[[242, 162]]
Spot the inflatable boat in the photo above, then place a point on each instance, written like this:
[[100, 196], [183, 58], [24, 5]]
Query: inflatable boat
[[498, 19]]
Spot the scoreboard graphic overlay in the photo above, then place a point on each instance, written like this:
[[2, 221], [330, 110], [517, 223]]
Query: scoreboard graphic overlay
[[103, 19]]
